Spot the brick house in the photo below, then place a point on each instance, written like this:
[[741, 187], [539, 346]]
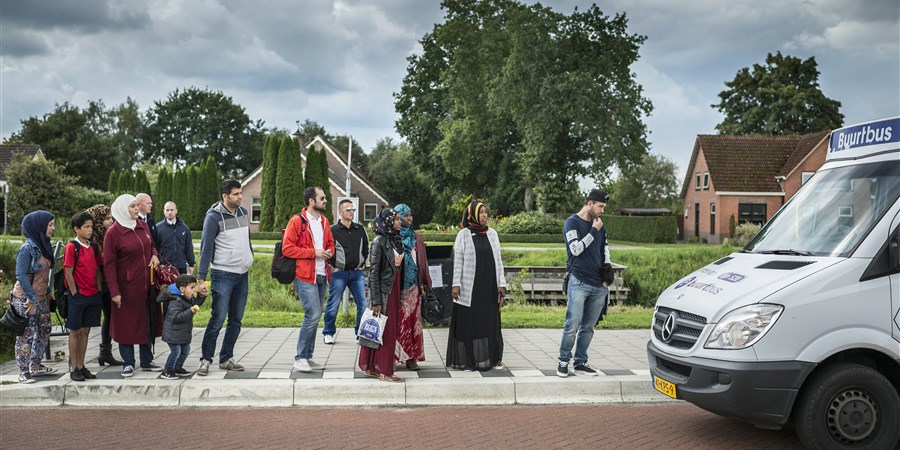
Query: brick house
[[371, 201], [745, 177]]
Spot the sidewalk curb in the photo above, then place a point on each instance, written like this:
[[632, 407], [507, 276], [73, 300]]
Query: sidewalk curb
[[261, 393]]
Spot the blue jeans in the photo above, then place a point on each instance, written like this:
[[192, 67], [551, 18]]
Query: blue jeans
[[584, 303], [312, 296], [340, 280], [127, 353], [177, 354], [229, 296]]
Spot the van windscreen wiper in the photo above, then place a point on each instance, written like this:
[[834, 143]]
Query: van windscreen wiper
[[786, 252]]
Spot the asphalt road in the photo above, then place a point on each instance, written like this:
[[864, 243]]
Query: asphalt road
[[654, 426]]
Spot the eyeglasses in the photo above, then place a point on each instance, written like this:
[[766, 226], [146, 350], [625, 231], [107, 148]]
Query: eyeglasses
[[350, 210]]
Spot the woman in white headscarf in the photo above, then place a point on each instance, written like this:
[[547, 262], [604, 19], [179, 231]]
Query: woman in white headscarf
[[128, 257]]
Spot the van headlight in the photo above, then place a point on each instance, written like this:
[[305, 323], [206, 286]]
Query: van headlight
[[744, 326]]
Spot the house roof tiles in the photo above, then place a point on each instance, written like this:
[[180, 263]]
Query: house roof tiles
[[749, 163], [7, 151]]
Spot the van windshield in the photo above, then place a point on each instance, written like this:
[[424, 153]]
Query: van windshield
[[832, 213]]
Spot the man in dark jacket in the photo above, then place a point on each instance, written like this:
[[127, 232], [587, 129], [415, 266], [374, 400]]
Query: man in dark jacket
[[175, 243]]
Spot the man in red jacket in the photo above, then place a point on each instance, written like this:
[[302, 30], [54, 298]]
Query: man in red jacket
[[308, 239]]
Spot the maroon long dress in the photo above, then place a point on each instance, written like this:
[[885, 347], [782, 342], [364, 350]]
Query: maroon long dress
[[381, 361], [411, 338], [126, 268]]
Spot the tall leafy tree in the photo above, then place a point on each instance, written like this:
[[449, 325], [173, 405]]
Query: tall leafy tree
[[393, 169], [269, 179], [78, 140], [550, 94], [112, 184], [179, 192], [141, 183], [193, 124], [126, 183], [782, 97], [289, 181], [212, 180], [163, 186], [38, 184], [651, 184]]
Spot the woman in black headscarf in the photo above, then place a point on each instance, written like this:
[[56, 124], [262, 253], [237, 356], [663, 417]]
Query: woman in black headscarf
[[479, 290], [29, 295], [386, 256]]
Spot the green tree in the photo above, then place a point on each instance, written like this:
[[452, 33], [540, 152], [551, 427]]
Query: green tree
[[211, 181], [112, 183], [498, 78], [179, 192], [141, 183], [781, 97], [126, 183], [651, 184], [289, 181], [393, 170], [316, 174], [163, 186], [269, 178], [78, 140], [193, 124], [39, 184]]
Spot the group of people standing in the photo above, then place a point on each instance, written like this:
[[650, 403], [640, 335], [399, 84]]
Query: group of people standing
[[124, 241]]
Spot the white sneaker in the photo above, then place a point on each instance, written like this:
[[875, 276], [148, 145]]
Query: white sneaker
[[329, 339], [302, 365], [315, 365]]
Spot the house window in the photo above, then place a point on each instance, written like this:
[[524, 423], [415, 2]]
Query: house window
[[255, 209], [706, 181], [712, 218], [370, 211], [752, 213], [805, 176], [697, 185]]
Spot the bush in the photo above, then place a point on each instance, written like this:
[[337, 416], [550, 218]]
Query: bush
[[658, 230], [744, 233], [532, 222], [432, 227], [555, 238]]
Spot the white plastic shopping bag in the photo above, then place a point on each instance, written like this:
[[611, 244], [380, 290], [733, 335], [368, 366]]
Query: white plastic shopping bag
[[371, 329]]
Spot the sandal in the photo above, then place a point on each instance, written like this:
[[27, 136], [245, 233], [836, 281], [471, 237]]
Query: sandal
[[412, 364], [389, 378], [371, 373]]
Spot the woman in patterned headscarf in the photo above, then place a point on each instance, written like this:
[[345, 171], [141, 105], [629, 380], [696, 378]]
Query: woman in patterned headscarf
[[386, 257], [103, 219], [29, 294], [415, 278], [475, 341]]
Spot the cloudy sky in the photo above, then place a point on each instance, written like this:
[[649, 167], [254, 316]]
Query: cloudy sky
[[339, 62]]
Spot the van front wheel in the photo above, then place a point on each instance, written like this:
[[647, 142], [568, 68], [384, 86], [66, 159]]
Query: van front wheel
[[848, 406]]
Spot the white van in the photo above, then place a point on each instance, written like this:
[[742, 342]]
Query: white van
[[804, 323]]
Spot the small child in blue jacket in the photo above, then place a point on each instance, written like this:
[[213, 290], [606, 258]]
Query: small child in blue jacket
[[179, 322]]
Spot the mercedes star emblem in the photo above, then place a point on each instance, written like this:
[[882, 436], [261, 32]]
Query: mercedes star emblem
[[668, 328]]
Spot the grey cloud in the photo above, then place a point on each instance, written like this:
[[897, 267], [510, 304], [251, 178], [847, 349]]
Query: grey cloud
[[85, 16], [20, 43]]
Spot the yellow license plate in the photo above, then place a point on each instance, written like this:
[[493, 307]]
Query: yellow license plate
[[664, 386]]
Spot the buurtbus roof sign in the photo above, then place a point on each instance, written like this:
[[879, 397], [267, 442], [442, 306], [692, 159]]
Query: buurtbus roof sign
[[864, 139]]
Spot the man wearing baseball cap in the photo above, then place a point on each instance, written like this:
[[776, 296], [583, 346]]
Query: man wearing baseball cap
[[588, 283]]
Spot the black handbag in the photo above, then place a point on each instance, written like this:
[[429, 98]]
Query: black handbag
[[14, 322], [432, 308]]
